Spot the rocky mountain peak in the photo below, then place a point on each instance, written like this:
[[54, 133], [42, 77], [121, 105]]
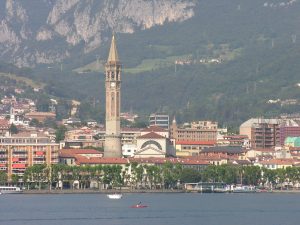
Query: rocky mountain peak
[[55, 27]]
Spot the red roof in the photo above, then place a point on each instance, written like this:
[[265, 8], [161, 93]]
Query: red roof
[[98, 160], [183, 161], [129, 129], [211, 157], [278, 162], [265, 149], [4, 124], [195, 142], [154, 129], [236, 136], [151, 135], [67, 152]]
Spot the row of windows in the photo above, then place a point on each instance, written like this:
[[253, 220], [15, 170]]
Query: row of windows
[[24, 140]]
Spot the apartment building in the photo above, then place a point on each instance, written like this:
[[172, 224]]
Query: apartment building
[[197, 131], [22, 150], [265, 135], [262, 133]]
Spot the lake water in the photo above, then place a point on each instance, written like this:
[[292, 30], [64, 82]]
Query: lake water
[[164, 209]]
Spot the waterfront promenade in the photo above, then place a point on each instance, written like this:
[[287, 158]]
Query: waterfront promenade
[[104, 191], [94, 191]]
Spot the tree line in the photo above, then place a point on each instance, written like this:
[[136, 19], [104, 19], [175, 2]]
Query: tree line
[[139, 176]]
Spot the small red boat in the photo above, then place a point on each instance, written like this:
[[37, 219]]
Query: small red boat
[[138, 206]]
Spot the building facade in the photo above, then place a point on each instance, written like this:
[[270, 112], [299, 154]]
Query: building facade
[[160, 120], [289, 128], [112, 146], [265, 135], [194, 133], [22, 150], [262, 133]]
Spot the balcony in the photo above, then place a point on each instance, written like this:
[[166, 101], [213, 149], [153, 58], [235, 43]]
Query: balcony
[[19, 173], [39, 162], [38, 158], [19, 166], [19, 155], [19, 150], [3, 156]]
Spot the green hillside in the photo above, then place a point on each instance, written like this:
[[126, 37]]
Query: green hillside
[[256, 45]]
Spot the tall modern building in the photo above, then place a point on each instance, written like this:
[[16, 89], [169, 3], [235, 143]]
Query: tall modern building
[[159, 120], [112, 147], [263, 133]]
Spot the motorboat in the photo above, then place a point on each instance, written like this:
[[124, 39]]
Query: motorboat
[[10, 190], [244, 189], [115, 196], [138, 206]]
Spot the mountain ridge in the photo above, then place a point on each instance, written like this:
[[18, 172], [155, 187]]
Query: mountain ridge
[[28, 28], [239, 56]]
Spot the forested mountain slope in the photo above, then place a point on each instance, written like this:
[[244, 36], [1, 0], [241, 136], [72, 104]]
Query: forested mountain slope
[[211, 59]]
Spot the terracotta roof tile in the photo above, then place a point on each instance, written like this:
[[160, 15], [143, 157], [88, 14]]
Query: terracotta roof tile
[[151, 135], [94, 160], [80, 151], [154, 129], [195, 142], [183, 161], [278, 162]]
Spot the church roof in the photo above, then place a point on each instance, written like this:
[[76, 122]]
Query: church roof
[[186, 142], [151, 135], [113, 53], [154, 129]]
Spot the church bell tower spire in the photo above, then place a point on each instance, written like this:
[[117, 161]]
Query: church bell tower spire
[[112, 147]]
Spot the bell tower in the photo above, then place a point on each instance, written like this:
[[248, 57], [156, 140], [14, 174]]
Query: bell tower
[[112, 147]]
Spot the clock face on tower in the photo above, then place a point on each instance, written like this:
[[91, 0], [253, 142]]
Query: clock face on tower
[[112, 84]]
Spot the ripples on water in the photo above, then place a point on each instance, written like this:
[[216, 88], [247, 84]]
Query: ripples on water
[[164, 209]]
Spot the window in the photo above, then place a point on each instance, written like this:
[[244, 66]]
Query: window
[[151, 142]]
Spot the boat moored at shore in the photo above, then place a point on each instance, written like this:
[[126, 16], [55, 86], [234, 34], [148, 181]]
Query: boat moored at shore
[[10, 190], [244, 189]]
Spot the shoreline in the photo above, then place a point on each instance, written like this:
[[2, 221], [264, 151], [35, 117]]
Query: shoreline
[[96, 191]]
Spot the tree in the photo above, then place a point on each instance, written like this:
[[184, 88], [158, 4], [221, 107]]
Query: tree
[[35, 123], [171, 174], [43, 103], [15, 179], [280, 176], [210, 174], [13, 129], [3, 178], [190, 176], [60, 133], [230, 174], [252, 174], [269, 177], [36, 175], [49, 122], [63, 109]]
